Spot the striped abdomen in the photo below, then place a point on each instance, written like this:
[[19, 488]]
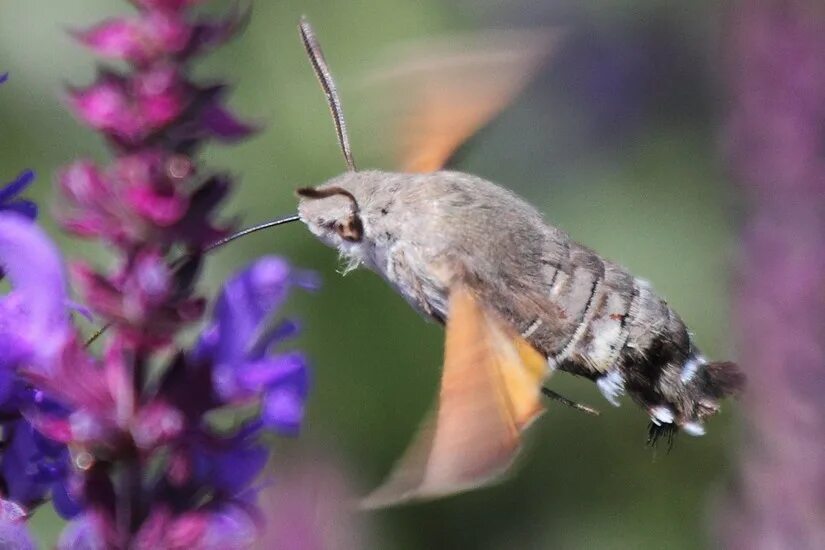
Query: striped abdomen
[[612, 327]]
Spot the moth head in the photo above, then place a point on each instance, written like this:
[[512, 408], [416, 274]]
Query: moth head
[[333, 213]]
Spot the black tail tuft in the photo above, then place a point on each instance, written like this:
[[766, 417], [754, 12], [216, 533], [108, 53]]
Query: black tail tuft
[[723, 379], [666, 432]]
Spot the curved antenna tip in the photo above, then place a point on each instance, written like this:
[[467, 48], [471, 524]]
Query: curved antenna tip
[[322, 72]]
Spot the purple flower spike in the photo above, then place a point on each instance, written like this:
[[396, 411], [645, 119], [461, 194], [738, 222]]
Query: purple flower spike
[[3, 77], [33, 316], [143, 409]]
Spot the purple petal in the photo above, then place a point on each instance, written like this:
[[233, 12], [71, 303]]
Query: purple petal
[[287, 369], [14, 534], [157, 423], [3, 77], [246, 301], [232, 472], [20, 466], [163, 209], [81, 310], [65, 500], [11, 511], [224, 125], [283, 409], [170, 34], [119, 38], [8, 357], [83, 533], [206, 345], [35, 311], [102, 105], [196, 226], [152, 279], [208, 34], [82, 182], [269, 340], [232, 528], [16, 186], [25, 208]]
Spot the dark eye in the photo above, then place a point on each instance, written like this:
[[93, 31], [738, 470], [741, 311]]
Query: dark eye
[[351, 229]]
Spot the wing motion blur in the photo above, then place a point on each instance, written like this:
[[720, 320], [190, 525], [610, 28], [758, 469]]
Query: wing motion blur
[[490, 392], [445, 91]]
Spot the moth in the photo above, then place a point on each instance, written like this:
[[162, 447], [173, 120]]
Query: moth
[[519, 299]]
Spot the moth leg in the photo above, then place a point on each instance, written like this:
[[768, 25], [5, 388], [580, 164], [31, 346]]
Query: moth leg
[[569, 402]]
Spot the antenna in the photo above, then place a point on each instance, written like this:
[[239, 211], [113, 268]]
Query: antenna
[[313, 193], [319, 65]]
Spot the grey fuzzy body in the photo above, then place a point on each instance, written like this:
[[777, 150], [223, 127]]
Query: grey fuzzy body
[[426, 232]]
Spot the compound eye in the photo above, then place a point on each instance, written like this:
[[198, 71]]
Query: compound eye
[[351, 229]]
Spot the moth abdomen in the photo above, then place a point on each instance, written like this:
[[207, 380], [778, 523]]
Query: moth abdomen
[[616, 330]]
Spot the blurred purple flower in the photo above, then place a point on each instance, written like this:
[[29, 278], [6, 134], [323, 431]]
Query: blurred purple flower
[[310, 507], [776, 140], [33, 322], [34, 329]]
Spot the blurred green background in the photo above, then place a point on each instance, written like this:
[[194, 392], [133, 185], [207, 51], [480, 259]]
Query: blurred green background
[[616, 141]]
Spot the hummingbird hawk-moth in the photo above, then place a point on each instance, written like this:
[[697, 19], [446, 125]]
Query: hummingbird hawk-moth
[[519, 298]]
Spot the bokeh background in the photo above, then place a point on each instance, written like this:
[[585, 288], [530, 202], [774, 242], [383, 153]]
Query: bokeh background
[[617, 140]]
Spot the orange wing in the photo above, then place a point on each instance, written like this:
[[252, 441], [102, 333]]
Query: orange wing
[[490, 392], [450, 89]]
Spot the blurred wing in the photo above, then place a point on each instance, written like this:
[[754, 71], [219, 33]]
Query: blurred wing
[[490, 392], [447, 90]]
